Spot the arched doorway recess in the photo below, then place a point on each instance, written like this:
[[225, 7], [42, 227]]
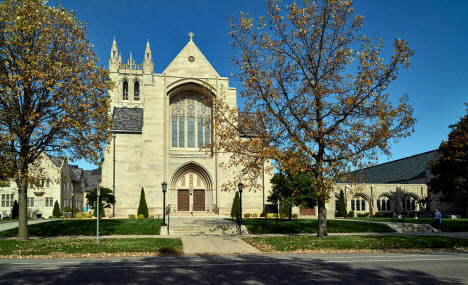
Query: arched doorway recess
[[191, 189]]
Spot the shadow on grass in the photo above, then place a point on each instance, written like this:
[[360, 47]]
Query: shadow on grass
[[296, 226], [88, 228], [215, 269]]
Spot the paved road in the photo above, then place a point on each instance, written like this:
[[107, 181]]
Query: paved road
[[411, 268]]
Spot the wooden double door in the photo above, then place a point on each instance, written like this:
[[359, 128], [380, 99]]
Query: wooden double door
[[183, 200]]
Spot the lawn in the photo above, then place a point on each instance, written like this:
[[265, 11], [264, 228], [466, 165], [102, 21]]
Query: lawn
[[448, 225], [304, 243], [258, 226], [88, 228], [57, 247]]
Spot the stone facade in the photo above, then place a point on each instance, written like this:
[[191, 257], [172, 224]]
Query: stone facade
[[373, 198], [160, 122], [55, 180]]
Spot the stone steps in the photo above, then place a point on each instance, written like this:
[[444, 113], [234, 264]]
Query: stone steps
[[412, 228], [221, 229]]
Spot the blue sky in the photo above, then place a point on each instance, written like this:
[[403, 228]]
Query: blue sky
[[436, 82]]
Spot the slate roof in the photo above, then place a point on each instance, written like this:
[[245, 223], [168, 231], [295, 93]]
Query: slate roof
[[75, 173], [250, 124], [127, 120], [92, 178], [400, 170]]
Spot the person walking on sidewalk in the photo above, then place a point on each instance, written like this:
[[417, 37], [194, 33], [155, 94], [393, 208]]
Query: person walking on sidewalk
[[437, 219]]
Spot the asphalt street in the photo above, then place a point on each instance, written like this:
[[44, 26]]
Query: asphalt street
[[377, 268]]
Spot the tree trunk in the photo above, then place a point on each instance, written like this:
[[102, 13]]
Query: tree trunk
[[23, 209], [322, 219]]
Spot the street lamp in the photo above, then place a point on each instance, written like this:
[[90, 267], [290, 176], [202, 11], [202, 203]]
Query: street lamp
[[239, 186], [113, 177], [164, 188], [73, 202]]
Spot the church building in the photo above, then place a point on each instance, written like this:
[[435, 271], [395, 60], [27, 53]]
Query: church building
[[160, 123]]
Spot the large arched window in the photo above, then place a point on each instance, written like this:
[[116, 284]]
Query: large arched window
[[383, 204], [136, 91], [125, 90], [190, 121]]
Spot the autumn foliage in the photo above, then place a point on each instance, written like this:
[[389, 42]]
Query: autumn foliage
[[316, 86], [53, 95], [451, 170]]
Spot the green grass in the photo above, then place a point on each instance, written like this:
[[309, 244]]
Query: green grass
[[88, 228], [355, 243], [85, 246], [448, 225], [257, 226]]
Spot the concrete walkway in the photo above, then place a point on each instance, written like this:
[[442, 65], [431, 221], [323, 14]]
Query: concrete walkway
[[216, 244], [11, 225]]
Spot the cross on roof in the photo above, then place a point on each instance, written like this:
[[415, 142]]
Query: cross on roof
[[190, 35]]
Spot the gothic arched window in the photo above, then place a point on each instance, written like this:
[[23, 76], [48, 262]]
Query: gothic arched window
[[190, 121], [136, 91], [125, 91]]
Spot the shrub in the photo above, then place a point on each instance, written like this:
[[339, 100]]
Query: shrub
[[294, 216], [285, 211], [61, 217], [67, 210], [247, 215], [56, 212], [362, 215], [151, 216], [383, 215], [262, 214], [142, 208], [341, 211], [132, 216], [235, 209], [255, 215], [271, 215], [351, 214], [78, 216], [50, 217], [141, 216], [88, 215], [15, 210], [102, 213]]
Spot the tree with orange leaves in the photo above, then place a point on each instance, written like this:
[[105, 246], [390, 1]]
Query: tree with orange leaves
[[317, 86], [53, 95]]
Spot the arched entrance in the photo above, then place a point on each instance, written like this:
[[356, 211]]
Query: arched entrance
[[191, 189]]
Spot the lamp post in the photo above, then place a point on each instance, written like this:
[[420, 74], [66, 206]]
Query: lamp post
[[73, 202], [98, 192], [239, 186], [113, 176], [164, 188]]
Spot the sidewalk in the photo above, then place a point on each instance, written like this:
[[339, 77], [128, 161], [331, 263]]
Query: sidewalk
[[11, 225], [216, 244]]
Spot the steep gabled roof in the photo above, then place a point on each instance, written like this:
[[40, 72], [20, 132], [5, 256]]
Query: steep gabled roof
[[75, 173], [92, 178], [190, 62], [400, 170], [127, 120], [57, 161]]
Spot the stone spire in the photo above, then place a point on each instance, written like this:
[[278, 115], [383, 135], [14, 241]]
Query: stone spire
[[114, 60], [148, 65]]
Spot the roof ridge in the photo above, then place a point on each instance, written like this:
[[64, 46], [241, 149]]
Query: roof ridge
[[392, 161]]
